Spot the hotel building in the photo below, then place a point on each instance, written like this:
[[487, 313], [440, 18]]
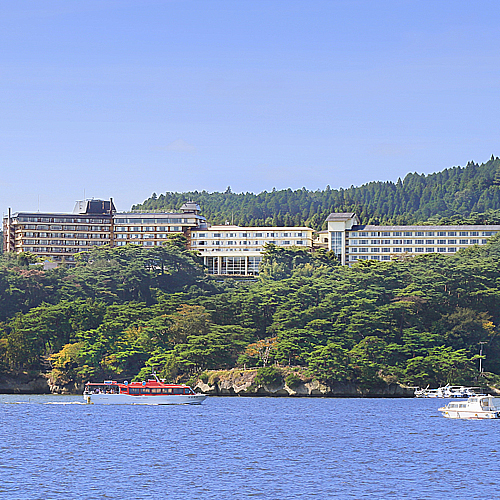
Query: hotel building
[[238, 250], [227, 250], [59, 236], [351, 241]]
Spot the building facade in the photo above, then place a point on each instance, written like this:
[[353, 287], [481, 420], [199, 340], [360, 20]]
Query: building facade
[[59, 236], [226, 250], [351, 241], [238, 250]]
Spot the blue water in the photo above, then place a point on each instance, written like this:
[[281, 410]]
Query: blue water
[[239, 448]]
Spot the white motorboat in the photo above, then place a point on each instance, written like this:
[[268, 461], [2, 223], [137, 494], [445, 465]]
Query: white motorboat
[[476, 407], [448, 391]]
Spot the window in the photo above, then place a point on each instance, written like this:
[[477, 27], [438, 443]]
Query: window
[[485, 233], [464, 242], [375, 250], [429, 233], [419, 242], [474, 233], [363, 250], [363, 242], [286, 243], [362, 233], [429, 250], [474, 242], [386, 257], [407, 242], [134, 390], [408, 233], [419, 233], [452, 242], [374, 234], [483, 241], [441, 233], [385, 242], [258, 235], [463, 233], [452, 250], [353, 250], [375, 242], [441, 242], [396, 250], [385, 233], [396, 233], [397, 242], [386, 249], [407, 250], [429, 242], [145, 390], [452, 233], [441, 250]]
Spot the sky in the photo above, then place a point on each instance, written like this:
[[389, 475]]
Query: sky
[[118, 98]]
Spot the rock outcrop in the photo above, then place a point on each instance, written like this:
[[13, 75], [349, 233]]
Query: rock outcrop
[[242, 383], [24, 383]]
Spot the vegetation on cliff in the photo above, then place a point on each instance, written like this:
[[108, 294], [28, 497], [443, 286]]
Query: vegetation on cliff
[[121, 311]]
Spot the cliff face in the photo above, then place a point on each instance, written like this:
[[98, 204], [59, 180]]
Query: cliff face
[[24, 383], [242, 383]]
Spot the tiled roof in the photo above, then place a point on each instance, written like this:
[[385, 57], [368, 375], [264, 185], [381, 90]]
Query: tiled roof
[[340, 216]]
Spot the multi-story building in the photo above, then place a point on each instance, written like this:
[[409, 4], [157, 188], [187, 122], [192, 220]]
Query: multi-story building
[[351, 241], [228, 250], [59, 236], [238, 250]]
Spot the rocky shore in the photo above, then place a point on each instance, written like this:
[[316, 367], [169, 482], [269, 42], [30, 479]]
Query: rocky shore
[[242, 383]]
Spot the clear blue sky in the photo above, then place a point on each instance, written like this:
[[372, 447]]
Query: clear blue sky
[[124, 98]]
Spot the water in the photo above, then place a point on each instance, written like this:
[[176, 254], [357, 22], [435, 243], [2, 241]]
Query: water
[[244, 448]]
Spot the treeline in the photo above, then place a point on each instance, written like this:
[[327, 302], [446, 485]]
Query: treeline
[[119, 312], [469, 194]]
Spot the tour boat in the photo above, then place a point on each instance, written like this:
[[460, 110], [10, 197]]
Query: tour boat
[[150, 392], [476, 407]]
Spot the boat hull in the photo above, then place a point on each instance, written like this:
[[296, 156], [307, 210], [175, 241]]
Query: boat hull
[[470, 415], [160, 399]]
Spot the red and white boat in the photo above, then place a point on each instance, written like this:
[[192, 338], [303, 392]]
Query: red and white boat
[[150, 392]]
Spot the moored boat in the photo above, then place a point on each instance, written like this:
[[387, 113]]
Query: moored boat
[[150, 392], [476, 407], [448, 391]]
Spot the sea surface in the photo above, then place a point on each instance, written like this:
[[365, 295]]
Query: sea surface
[[52, 447]]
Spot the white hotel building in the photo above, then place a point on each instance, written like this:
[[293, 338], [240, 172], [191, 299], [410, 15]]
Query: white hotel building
[[238, 250], [352, 242]]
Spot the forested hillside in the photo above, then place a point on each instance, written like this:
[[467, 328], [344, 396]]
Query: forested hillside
[[121, 311], [469, 194]]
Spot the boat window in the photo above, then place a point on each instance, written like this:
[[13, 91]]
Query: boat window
[[167, 390], [156, 391], [134, 390], [123, 389], [178, 391], [145, 391]]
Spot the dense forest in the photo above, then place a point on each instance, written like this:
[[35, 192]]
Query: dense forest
[[460, 195], [121, 311]]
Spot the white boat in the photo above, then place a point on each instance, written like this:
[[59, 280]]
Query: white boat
[[150, 392], [476, 407], [448, 391]]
